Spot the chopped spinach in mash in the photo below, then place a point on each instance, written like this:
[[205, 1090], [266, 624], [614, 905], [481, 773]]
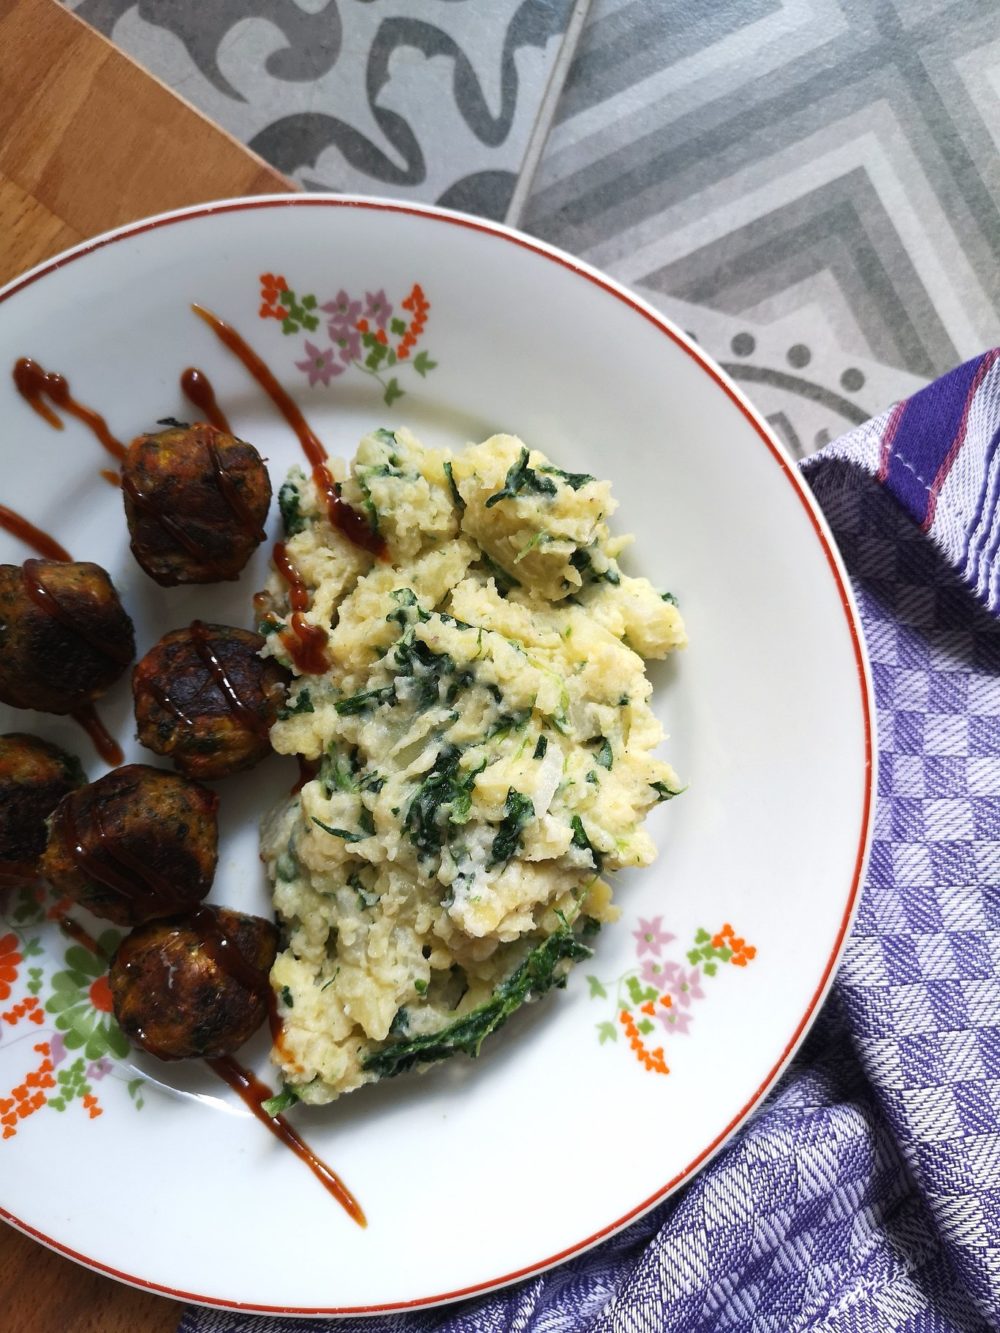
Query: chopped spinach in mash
[[484, 751]]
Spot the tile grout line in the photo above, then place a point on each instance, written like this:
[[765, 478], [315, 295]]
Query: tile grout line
[[546, 113]]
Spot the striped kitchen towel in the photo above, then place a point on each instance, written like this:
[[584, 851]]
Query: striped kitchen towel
[[864, 1196]]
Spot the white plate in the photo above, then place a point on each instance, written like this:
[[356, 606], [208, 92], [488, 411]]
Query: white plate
[[477, 1173]]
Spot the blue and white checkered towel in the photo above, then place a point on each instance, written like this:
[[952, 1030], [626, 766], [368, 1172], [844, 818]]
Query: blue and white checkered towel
[[864, 1197]]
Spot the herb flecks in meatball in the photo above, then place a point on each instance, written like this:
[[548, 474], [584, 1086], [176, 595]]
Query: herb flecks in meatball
[[137, 844], [195, 985], [195, 499], [64, 636], [205, 698], [34, 777]]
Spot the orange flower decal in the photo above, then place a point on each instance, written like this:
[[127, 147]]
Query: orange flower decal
[[271, 289], [369, 335], [71, 1061], [652, 1060], [29, 1008], [742, 953], [662, 990], [29, 1096], [100, 994], [10, 960]]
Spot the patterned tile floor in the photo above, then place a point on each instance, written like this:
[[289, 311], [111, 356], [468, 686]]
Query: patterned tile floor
[[810, 187], [417, 99]]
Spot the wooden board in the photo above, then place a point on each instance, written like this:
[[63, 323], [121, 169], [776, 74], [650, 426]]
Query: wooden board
[[88, 141]]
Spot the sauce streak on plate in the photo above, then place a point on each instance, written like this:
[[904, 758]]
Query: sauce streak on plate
[[254, 1093], [197, 389], [343, 517], [35, 384]]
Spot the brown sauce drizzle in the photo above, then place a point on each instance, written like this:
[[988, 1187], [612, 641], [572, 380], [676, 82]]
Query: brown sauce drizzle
[[176, 531], [112, 478], [197, 389], [343, 517], [150, 509], [19, 527], [77, 932], [230, 492], [308, 768], [104, 743], [226, 954], [44, 598], [35, 384], [239, 710], [254, 1093], [165, 701], [116, 868], [306, 644]]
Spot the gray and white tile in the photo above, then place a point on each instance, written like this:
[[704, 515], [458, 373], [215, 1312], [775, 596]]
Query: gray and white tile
[[432, 100], [814, 181]]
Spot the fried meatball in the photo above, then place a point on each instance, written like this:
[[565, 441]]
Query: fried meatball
[[205, 697], [195, 500], [137, 844], [34, 777], [194, 985], [64, 636]]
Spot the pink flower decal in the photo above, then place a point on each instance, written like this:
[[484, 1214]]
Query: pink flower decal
[[650, 936], [685, 987], [319, 364], [372, 337], [377, 308], [658, 973], [347, 341], [675, 1021], [659, 990], [342, 310]]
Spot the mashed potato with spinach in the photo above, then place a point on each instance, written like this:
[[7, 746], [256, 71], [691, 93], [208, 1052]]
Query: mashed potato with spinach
[[485, 748]]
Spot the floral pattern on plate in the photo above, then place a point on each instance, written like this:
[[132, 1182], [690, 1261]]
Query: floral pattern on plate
[[66, 1009], [659, 990], [369, 335]]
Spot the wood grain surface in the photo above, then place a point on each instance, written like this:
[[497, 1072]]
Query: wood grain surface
[[41, 1292], [88, 141]]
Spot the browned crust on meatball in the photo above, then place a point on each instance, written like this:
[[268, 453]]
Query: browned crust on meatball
[[138, 844], [34, 777], [184, 704], [172, 995], [195, 501], [61, 651]]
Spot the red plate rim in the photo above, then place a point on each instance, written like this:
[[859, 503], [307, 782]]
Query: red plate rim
[[825, 540]]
